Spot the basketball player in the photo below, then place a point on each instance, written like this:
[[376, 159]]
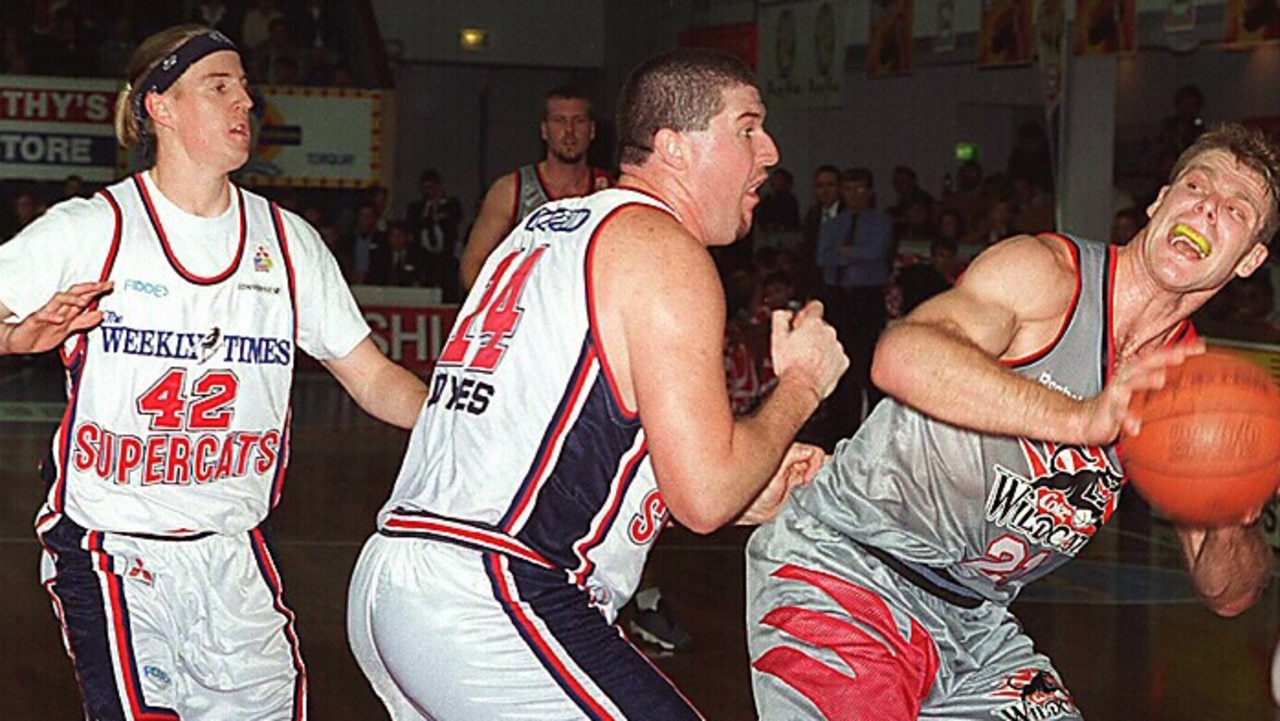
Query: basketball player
[[994, 463], [553, 449], [186, 301], [567, 129]]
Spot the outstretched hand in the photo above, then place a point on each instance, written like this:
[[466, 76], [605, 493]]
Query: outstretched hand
[[1108, 414], [800, 464], [71, 311]]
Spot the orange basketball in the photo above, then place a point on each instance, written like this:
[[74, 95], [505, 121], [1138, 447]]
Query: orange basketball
[[1208, 453]]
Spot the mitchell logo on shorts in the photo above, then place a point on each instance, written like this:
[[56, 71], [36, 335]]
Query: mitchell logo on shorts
[[1035, 695], [1072, 491], [212, 345]]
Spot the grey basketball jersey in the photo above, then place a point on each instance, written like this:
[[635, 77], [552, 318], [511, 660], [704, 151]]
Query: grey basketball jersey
[[983, 514], [531, 193]]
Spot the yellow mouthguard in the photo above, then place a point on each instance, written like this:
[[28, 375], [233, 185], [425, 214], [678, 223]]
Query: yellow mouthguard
[[1190, 234]]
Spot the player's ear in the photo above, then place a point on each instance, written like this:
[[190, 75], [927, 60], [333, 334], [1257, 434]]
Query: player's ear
[[672, 147], [1156, 203], [1252, 260]]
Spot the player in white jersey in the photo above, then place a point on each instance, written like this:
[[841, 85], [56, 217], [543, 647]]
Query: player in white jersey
[[568, 129], [186, 301], [882, 589], [579, 400]]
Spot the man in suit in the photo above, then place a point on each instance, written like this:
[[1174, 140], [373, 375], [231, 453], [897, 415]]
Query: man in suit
[[399, 261], [855, 253], [433, 223]]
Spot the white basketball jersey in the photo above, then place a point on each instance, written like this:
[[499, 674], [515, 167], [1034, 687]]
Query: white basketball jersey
[[524, 446], [201, 443]]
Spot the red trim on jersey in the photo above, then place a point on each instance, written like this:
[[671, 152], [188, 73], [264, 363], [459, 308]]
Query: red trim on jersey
[[277, 219], [593, 174], [267, 566], [468, 534], [534, 633], [629, 412], [1067, 317], [282, 453], [168, 251], [542, 471], [618, 486], [123, 635]]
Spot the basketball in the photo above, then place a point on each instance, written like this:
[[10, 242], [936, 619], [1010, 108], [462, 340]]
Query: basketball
[[1208, 452]]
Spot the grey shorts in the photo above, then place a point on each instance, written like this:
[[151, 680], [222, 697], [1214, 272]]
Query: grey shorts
[[834, 633]]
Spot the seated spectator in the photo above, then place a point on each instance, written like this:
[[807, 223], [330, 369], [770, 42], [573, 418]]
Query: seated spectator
[[399, 261], [906, 186], [779, 210], [1125, 224], [1034, 208], [969, 198], [115, 50], [23, 208], [218, 15], [255, 28], [1242, 311], [919, 282], [360, 245], [276, 61]]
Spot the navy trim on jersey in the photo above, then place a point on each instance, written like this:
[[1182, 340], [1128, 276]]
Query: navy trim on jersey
[[543, 609], [585, 487], [73, 364], [531, 485], [180, 269], [282, 464]]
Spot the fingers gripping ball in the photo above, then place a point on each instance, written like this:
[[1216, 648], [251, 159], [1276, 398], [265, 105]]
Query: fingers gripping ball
[[1208, 453]]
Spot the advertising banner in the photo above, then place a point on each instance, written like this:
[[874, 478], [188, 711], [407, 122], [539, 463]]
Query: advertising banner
[[54, 127], [315, 137]]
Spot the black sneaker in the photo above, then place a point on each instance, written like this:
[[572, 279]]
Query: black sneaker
[[661, 629]]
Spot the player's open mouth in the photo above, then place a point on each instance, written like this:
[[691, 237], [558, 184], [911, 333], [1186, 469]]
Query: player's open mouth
[[1185, 234]]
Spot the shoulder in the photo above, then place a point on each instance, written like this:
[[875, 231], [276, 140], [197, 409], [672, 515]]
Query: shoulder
[[76, 218], [1035, 273]]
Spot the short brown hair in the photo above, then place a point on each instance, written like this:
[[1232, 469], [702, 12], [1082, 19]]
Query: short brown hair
[[1251, 148], [681, 90]]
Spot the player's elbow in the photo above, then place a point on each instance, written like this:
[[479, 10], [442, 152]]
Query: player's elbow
[[889, 364], [699, 515]]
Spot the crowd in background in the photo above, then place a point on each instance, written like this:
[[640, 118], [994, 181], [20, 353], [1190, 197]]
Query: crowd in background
[[284, 42], [871, 253]]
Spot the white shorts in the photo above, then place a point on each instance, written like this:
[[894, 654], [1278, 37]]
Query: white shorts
[[169, 629], [445, 633]]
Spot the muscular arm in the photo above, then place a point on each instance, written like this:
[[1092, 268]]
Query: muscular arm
[[383, 389], [1230, 567], [957, 340], [491, 226], [661, 313]]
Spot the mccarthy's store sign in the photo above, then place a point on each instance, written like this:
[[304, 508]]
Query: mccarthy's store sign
[[54, 127], [321, 137]]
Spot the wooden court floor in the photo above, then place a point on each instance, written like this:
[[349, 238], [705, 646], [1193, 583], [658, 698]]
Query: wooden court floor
[[1121, 624]]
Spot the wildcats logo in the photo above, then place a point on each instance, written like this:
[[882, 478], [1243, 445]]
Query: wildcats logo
[[1071, 492], [1037, 696]]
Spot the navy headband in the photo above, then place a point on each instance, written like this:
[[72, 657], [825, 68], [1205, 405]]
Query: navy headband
[[167, 71]]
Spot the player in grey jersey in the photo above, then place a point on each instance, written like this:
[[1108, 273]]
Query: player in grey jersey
[[882, 589]]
